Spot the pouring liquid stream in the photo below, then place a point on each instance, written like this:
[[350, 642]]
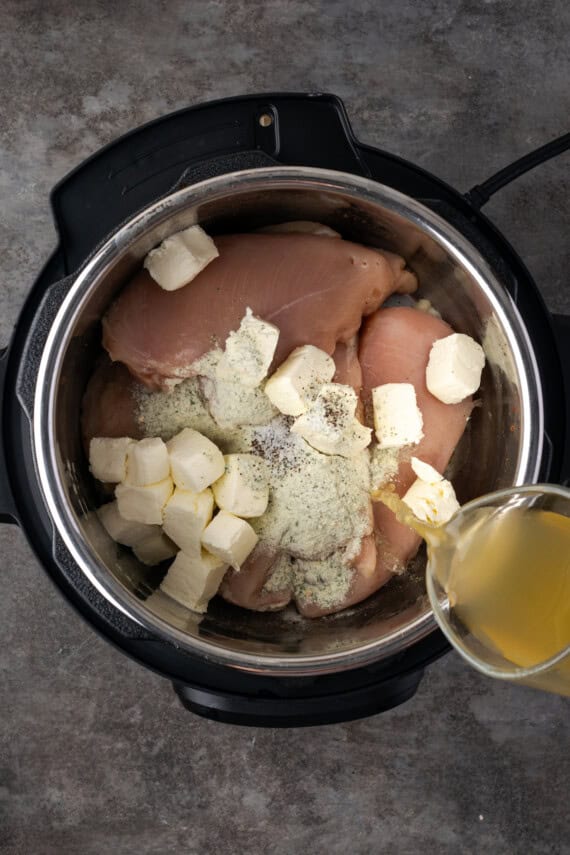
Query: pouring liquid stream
[[505, 575]]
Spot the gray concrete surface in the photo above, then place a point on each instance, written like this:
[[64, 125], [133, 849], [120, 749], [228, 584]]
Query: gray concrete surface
[[96, 755]]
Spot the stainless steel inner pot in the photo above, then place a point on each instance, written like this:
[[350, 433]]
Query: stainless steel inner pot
[[502, 445]]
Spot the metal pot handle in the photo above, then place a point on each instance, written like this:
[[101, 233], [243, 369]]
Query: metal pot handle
[[481, 193], [8, 513]]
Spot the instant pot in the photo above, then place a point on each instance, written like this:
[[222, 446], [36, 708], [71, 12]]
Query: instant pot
[[235, 165]]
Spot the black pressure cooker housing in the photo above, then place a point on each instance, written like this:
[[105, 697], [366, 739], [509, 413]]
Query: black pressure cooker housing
[[107, 190]]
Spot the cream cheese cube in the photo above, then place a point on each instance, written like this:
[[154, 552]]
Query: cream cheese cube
[[230, 404], [243, 489], [230, 538], [143, 504], [330, 424], [296, 382], [179, 258], [454, 368], [192, 580], [108, 458], [434, 503], [426, 306], [124, 531], [307, 227], [186, 515], [147, 462], [397, 418], [195, 461], [249, 351], [425, 471], [155, 548]]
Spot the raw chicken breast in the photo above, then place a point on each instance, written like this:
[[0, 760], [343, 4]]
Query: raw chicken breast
[[245, 587], [394, 348], [108, 404], [316, 290], [369, 575], [347, 364]]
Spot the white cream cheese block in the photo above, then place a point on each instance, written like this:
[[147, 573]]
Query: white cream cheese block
[[180, 257], [243, 489], [431, 497], [249, 351], [124, 531], [147, 462], [143, 504], [108, 458], [230, 538], [397, 418], [155, 548], [330, 424], [454, 368], [186, 515], [192, 580], [195, 461], [295, 384]]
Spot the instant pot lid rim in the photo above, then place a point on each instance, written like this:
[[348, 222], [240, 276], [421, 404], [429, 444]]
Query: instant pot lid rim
[[95, 268]]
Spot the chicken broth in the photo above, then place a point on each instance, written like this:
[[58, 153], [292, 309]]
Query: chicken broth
[[510, 586]]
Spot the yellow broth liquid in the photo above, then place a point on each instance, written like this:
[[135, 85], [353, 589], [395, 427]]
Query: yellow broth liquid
[[506, 572], [509, 583]]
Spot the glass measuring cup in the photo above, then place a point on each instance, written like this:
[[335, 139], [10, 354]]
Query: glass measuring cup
[[498, 579]]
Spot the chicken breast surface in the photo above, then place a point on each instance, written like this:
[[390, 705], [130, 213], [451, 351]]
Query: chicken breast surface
[[394, 348], [315, 290]]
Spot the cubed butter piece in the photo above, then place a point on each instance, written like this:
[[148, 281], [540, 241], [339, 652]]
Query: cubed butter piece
[[179, 258], [194, 460], [186, 515], [108, 458], [124, 531], [330, 424], [243, 489], [249, 351], [454, 368], [434, 503], [297, 381], [305, 227], [230, 538], [193, 580], [143, 504], [155, 548], [397, 418], [147, 462]]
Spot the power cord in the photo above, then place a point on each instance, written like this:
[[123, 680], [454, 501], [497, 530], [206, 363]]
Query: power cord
[[481, 193]]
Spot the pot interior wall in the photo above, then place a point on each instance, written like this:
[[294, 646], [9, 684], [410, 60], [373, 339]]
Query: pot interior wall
[[487, 458]]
